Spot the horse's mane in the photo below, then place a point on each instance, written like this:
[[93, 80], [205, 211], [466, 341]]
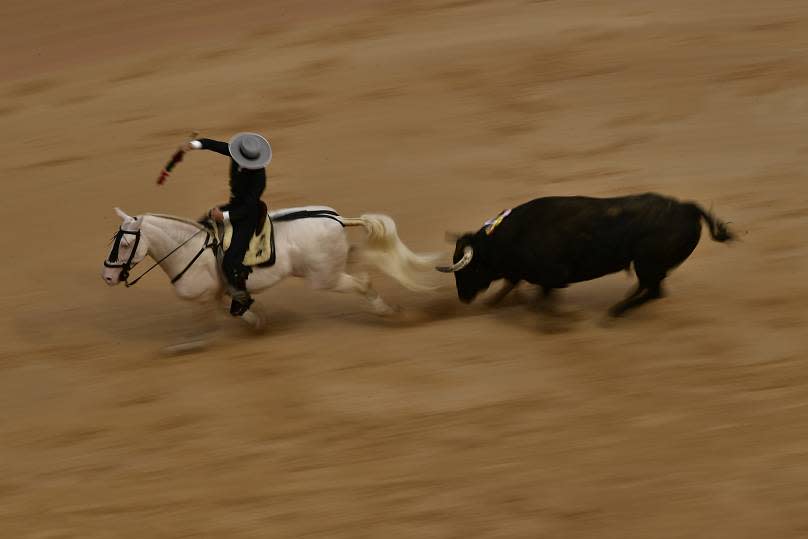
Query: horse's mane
[[178, 219], [176, 234]]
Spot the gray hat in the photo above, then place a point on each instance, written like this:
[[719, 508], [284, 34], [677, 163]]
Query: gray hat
[[250, 150]]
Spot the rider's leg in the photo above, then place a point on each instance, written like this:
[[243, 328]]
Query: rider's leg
[[235, 272]]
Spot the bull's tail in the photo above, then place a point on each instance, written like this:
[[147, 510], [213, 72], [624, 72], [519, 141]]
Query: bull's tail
[[719, 230], [385, 250]]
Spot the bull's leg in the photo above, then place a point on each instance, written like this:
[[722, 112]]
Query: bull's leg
[[547, 293], [544, 296], [642, 295], [506, 289], [655, 290], [635, 298], [649, 288], [547, 302]]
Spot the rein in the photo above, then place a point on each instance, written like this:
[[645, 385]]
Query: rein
[[127, 266]]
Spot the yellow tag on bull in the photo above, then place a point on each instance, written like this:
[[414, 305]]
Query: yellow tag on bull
[[492, 224]]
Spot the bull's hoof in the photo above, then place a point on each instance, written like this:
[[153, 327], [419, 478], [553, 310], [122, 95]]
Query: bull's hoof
[[568, 313], [553, 326], [611, 318], [553, 309]]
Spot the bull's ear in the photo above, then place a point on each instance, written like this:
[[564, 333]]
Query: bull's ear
[[122, 214]]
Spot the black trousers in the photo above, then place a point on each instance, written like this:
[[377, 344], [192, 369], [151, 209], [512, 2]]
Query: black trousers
[[234, 270]]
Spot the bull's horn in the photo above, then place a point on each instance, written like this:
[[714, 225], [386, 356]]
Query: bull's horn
[[468, 253]]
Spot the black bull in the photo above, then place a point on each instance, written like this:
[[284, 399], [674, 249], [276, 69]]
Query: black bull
[[555, 241]]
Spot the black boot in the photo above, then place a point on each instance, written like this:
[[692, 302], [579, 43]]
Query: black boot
[[241, 298], [239, 307]]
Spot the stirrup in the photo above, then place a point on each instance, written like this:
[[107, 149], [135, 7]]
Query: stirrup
[[238, 308]]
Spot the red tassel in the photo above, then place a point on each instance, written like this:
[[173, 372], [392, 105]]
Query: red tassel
[[166, 172]]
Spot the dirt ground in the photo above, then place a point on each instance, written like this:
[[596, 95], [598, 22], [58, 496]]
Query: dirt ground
[[685, 419]]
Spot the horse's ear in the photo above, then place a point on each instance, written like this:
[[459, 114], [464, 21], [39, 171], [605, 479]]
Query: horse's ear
[[122, 214]]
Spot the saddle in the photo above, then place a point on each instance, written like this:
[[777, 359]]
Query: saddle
[[261, 252]]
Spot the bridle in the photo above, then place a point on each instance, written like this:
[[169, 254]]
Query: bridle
[[126, 267], [112, 260]]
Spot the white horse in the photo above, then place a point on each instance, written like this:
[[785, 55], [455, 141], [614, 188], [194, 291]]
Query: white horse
[[315, 248]]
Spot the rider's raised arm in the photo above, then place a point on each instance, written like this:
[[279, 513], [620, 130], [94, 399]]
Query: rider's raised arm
[[212, 145]]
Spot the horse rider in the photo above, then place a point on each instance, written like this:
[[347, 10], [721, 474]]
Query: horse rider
[[249, 155]]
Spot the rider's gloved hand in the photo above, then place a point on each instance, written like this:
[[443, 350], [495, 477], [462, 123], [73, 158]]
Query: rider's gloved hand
[[216, 214]]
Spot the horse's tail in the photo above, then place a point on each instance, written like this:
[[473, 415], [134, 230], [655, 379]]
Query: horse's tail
[[385, 250], [719, 230]]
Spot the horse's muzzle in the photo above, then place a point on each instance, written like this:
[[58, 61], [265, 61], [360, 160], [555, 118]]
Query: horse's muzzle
[[111, 277]]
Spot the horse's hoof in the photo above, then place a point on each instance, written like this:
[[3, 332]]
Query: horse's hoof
[[363, 279], [255, 321], [185, 347], [381, 308], [386, 310]]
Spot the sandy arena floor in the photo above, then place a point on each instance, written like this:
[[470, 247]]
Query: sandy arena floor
[[688, 418]]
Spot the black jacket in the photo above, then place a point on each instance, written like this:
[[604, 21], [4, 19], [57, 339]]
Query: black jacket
[[246, 186]]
